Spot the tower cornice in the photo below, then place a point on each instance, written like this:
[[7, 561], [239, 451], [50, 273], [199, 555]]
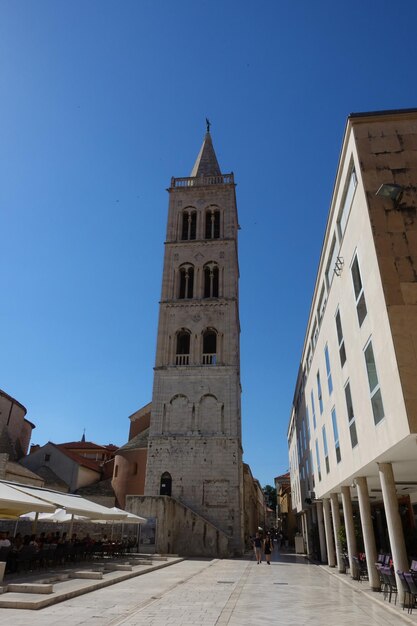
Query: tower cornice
[[191, 182], [206, 302], [199, 242]]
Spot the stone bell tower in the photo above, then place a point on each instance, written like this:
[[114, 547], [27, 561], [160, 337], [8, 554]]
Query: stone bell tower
[[194, 449]]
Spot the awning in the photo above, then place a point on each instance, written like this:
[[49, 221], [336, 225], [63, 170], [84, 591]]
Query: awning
[[130, 518], [14, 502], [59, 516], [71, 503]]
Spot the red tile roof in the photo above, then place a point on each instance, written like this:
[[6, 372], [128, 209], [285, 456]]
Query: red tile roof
[[81, 460], [87, 445]]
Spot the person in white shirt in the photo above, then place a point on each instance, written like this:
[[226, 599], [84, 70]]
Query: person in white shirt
[[4, 541]]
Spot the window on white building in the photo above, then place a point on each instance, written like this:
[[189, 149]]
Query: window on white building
[[351, 416], [349, 192], [319, 393], [312, 468], [307, 425], [326, 450], [328, 370], [340, 339], [376, 397], [318, 460], [336, 436], [314, 335], [309, 359], [358, 289], [322, 304], [331, 263], [313, 409]]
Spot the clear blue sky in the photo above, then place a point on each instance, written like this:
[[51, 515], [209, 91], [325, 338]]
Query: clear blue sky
[[101, 103]]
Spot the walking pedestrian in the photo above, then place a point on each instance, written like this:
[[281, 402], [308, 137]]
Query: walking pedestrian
[[268, 548], [257, 546]]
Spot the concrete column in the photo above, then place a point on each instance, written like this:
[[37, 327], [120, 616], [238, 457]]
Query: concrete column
[[349, 525], [395, 529], [368, 532], [334, 500], [322, 536], [328, 530], [309, 547], [303, 530]]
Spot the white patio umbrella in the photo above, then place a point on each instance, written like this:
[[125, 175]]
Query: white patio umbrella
[[14, 503], [130, 519], [73, 504]]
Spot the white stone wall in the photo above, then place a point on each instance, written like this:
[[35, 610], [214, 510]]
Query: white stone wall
[[376, 442]]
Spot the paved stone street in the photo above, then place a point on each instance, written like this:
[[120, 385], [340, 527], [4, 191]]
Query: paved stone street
[[228, 592]]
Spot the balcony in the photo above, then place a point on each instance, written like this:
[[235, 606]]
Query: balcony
[[209, 359], [202, 181], [182, 359]]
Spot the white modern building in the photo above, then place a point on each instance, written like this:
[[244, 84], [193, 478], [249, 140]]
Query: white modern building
[[352, 434]]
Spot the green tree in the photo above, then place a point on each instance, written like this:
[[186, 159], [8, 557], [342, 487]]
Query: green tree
[[270, 494]]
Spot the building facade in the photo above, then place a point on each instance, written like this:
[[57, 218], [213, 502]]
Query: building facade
[[15, 429], [194, 447], [73, 465], [286, 522], [353, 427], [130, 460]]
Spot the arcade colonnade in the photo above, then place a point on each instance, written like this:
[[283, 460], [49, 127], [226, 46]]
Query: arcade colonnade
[[328, 513]]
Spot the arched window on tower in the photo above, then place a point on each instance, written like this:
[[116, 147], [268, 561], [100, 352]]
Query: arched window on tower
[[211, 280], [165, 484], [212, 224], [186, 282], [209, 347], [182, 355], [189, 225]]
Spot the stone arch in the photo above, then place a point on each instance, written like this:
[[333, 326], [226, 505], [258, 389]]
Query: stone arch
[[188, 224], [186, 281], [210, 346], [212, 222], [211, 273], [179, 415], [182, 346], [165, 484], [210, 414]]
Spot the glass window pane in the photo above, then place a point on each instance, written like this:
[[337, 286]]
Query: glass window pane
[[342, 354], [339, 328], [334, 422], [361, 309], [353, 435], [357, 282], [347, 201], [377, 406], [371, 368], [349, 404]]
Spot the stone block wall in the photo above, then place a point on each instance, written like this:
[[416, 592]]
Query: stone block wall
[[179, 529]]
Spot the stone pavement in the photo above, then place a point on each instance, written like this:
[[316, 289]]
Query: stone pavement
[[290, 592]]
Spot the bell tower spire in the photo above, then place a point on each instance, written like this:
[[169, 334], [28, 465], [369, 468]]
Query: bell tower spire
[[206, 163], [194, 441]]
